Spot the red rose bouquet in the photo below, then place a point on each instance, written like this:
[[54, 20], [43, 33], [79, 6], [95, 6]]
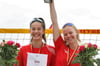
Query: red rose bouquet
[[87, 54], [8, 53]]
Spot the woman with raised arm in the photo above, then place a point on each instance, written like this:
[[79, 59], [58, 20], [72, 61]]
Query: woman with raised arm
[[67, 46]]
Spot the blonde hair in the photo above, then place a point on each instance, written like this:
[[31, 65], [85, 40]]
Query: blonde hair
[[72, 25]]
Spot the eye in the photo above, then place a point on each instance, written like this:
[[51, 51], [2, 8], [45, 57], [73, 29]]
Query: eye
[[65, 34], [39, 29], [71, 32], [32, 28]]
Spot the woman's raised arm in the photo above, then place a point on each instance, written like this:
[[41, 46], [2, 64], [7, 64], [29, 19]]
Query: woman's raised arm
[[56, 31]]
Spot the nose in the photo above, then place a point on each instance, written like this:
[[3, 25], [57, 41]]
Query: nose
[[36, 31], [68, 35]]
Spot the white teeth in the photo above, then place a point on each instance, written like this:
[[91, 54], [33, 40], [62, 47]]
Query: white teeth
[[36, 35], [70, 39]]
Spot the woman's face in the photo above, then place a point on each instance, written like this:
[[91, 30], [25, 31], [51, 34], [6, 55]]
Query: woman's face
[[36, 30], [70, 35]]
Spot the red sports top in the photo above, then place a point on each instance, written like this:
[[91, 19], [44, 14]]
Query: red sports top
[[61, 53], [22, 56]]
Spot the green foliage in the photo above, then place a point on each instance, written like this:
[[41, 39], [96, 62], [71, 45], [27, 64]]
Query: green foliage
[[86, 57], [8, 55], [97, 62]]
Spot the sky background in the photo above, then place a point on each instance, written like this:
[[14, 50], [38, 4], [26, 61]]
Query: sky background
[[85, 14]]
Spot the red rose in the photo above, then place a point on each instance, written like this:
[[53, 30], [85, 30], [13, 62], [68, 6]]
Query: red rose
[[10, 43], [95, 46], [89, 45], [18, 45], [82, 47]]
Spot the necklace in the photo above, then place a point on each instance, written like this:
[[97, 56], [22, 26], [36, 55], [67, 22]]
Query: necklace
[[39, 48], [69, 58]]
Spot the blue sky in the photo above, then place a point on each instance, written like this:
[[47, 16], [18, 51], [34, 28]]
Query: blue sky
[[18, 13]]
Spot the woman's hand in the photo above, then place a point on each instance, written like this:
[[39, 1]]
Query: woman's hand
[[2, 44]]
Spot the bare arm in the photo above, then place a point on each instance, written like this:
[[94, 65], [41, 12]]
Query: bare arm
[[56, 31]]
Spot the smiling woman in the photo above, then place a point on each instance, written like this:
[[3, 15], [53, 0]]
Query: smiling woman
[[67, 46], [36, 30], [37, 47]]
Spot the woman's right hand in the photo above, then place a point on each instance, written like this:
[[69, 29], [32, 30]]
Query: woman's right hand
[[2, 44]]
